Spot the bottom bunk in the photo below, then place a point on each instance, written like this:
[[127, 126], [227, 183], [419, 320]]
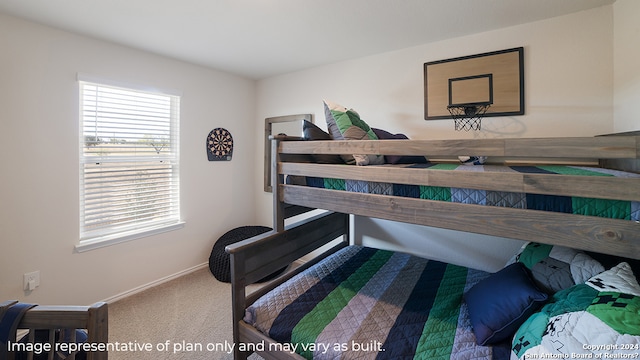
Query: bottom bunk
[[368, 303], [365, 303]]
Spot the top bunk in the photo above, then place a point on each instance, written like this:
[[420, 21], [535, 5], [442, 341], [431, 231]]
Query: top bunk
[[580, 192]]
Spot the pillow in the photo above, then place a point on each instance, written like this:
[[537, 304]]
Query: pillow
[[555, 268], [397, 159], [346, 124], [604, 310], [499, 304], [312, 132], [619, 278]]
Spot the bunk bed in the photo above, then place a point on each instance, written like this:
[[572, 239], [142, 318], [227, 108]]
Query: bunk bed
[[530, 169], [52, 331]]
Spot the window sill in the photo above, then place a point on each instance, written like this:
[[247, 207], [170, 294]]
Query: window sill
[[104, 241]]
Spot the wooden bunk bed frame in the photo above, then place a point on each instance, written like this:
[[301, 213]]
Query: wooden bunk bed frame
[[93, 319], [257, 257]]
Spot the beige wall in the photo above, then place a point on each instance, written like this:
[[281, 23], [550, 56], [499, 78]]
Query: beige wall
[[39, 139], [626, 70], [568, 90]]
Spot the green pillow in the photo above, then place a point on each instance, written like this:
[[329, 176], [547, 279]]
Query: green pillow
[[555, 268], [346, 124]]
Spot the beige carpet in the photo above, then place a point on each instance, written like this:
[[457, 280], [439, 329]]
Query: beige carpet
[[175, 320]]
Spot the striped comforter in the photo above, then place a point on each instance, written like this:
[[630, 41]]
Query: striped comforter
[[614, 209], [364, 303]]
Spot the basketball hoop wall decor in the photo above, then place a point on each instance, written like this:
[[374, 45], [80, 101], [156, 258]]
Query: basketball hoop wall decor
[[468, 116], [219, 145], [468, 88]]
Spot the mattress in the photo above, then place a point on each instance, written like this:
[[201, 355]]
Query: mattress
[[364, 303], [614, 209]]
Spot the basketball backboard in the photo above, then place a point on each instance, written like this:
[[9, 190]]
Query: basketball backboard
[[495, 78]]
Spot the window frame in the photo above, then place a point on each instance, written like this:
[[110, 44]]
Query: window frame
[[89, 240]]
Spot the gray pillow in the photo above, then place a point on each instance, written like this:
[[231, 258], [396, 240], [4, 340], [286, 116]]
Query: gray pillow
[[556, 268]]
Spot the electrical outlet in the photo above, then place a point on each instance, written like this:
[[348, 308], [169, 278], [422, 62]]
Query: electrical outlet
[[31, 280]]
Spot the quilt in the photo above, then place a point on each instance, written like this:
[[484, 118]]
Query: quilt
[[614, 209], [364, 303], [598, 319]]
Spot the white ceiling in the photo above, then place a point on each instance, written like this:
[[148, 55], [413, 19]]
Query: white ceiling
[[263, 38]]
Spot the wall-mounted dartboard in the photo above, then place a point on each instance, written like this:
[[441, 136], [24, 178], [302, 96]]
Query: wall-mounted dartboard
[[219, 145]]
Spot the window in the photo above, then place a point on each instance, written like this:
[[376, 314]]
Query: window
[[129, 164]]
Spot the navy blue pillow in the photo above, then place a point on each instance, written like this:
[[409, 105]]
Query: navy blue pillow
[[397, 159], [499, 304], [312, 132]]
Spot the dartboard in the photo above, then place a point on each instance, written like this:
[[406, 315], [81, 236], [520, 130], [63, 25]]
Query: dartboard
[[219, 145]]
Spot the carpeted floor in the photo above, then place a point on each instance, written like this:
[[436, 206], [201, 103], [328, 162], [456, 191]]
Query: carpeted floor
[[177, 320]]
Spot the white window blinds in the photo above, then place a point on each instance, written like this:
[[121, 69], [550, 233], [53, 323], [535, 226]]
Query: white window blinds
[[129, 176]]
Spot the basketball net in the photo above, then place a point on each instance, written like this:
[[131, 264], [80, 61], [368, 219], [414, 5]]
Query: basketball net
[[466, 116]]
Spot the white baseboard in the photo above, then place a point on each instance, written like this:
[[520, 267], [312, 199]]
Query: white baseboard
[[147, 286]]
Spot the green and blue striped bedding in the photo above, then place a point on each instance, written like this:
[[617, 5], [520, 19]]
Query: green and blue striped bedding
[[614, 209], [364, 303]]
